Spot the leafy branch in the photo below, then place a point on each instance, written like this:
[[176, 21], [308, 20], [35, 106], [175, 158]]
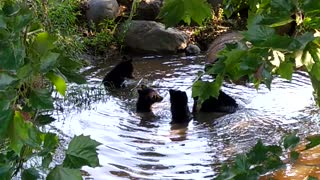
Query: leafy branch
[[32, 66], [264, 52]]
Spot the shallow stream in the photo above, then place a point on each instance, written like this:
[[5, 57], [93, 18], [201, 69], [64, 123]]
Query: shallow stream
[[138, 146]]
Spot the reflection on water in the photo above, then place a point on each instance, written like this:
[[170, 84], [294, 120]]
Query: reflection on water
[[146, 146]]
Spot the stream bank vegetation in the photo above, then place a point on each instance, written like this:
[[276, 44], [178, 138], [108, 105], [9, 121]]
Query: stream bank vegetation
[[42, 42], [37, 59]]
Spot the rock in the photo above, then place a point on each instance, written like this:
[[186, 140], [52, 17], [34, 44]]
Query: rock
[[192, 50], [219, 43], [98, 10], [148, 10], [153, 37]]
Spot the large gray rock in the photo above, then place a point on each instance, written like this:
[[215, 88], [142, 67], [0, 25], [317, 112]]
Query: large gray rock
[[151, 36], [98, 10], [220, 42], [148, 10]]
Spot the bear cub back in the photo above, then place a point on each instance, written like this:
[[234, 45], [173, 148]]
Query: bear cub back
[[179, 107], [118, 74], [147, 97], [224, 103]]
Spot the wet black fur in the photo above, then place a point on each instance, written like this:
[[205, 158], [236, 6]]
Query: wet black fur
[[179, 107], [117, 75], [147, 97], [224, 103]]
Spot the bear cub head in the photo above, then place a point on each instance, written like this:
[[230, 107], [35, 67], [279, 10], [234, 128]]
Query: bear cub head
[[179, 107], [147, 97], [119, 73]]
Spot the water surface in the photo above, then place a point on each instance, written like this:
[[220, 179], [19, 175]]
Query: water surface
[[140, 146]]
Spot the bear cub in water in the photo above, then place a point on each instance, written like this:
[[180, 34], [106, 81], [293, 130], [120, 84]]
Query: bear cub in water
[[180, 110], [116, 77], [179, 107], [224, 103], [147, 97]]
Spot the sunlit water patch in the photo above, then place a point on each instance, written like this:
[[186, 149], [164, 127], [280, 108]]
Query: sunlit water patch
[[145, 146]]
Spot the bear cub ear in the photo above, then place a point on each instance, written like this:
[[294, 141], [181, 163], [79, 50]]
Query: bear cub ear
[[142, 89], [127, 59]]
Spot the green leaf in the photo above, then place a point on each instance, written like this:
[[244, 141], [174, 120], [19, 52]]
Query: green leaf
[[241, 163], [204, 90], [68, 63], [30, 174], [315, 71], [260, 152], [272, 163], [304, 39], [22, 21], [314, 51], [173, 11], [43, 43], [2, 22], [233, 57], [58, 82], [5, 171], [44, 120], [25, 71], [12, 55], [291, 141], [312, 178], [314, 141], [277, 42], [41, 99], [6, 80], [50, 143], [73, 76], [282, 5], [22, 132], [286, 69], [4, 35], [312, 22], [9, 8], [48, 61], [246, 176], [18, 133], [294, 155], [310, 5], [7, 98], [46, 160], [226, 173], [276, 21], [304, 58], [316, 87], [61, 173], [6, 117], [81, 152], [258, 34]]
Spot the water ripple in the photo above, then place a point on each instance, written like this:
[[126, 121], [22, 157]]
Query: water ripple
[[146, 146]]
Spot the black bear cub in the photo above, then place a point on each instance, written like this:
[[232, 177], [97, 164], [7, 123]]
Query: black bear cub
[[117, 75], [179, 107], [224, 103], [147, 97]]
